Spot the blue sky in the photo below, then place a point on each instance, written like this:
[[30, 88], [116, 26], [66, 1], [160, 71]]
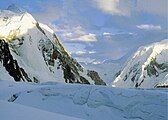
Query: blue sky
[[100, 29]]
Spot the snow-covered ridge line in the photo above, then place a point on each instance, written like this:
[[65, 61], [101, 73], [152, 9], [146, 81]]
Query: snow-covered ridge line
[[39, 52], [147, 68]]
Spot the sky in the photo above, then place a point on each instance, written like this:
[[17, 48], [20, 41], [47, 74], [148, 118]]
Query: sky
[[100, 29]]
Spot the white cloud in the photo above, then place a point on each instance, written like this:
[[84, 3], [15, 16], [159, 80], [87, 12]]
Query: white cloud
[[77, 33], [83, 52], [149, 27], [86, 38], [106, 34], [80, 52], [92, 52], [108, 5], [126, 7], [79, 30], [114, 7]]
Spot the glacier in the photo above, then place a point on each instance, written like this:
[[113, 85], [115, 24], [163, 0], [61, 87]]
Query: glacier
[[89, 102]]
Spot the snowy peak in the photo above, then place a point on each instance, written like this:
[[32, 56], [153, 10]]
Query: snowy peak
[[12, 25], [32, 52], [147, 68]]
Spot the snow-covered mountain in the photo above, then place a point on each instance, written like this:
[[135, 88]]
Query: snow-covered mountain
[[147, 68], [31, 51]]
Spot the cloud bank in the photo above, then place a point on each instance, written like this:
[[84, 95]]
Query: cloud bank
[[127, 7], [149, 27]]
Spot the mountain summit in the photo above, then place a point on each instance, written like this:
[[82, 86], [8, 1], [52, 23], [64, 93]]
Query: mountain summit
[[147, 68], [31, 51]]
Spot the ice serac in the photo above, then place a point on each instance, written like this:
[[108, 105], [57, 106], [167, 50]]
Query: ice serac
[[31, 51], [148, 68]]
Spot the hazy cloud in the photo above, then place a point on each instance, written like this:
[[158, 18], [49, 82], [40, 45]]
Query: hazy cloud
[[149, 27], [87, 38], [127, 7], [158, 7], [106, 34], [76, 33], [112, 7], [50, 11]]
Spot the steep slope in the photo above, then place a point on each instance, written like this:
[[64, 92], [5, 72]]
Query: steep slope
[[89, 102], [147, 68], [30, 51]]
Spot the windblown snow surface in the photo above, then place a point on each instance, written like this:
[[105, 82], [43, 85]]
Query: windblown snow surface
[[51, 101]]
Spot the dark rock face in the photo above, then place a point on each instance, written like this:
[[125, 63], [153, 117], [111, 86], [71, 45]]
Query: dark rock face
[[84, 81], [10, 64], [161, 86], [68, 75], [53, 53], [95, 76], [70, 67], [13, 98], [155, 68]]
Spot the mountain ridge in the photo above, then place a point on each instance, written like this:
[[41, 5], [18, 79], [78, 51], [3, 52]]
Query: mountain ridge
[[37, 49], [147, 68]]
